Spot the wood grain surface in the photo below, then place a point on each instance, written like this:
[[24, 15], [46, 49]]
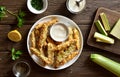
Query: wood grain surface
[[84, 67]]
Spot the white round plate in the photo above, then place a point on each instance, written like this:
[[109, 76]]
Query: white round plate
[[66, 21]]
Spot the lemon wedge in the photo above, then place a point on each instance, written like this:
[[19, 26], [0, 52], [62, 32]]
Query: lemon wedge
[[14, 35]]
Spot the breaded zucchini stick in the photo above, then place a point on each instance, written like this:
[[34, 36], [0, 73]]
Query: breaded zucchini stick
[[50, 52], [32, 39], [63, 54], [44, 30], [42, 35], [76, 36], [70, 36], [64, 45], [52, 21], [39, 25], [49, 40], [69, 57], [49, 23], [38, 54]]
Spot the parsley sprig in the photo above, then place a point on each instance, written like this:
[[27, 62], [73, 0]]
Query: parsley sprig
[[20, 16], [2, 12], [15, 53]]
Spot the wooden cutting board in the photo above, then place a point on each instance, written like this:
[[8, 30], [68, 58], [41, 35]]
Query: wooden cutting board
[[112, 16]]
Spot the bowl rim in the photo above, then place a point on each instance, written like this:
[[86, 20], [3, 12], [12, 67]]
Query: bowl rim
[[34, 11]]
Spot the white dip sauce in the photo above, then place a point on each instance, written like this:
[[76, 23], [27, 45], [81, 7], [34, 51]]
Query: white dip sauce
[[59, 32], [72, 6]]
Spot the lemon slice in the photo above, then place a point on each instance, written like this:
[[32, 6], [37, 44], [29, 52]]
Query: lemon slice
[[14, 35]]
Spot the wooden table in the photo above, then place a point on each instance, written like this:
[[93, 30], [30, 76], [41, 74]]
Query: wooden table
[[84, 67]]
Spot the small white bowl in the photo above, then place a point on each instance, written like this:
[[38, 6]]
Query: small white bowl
[[74, 8], [33, 10], [59, 32]]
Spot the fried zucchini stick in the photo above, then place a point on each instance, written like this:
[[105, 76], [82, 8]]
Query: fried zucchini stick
[[42, 35], [38, 54], [32, 39], [50, 52], [76, 36], [69, 57], [62, 55], [53, 21], [44, 30], [38, 25], [70, 36], [49, 40], [65, 45], [59, 58]]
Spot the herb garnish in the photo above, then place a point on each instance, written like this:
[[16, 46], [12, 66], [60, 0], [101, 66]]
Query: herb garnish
[[15, 53], [19, 16], [2, 12], [37, 4]]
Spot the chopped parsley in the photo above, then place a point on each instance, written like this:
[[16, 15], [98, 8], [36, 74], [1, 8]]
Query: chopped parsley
[[37, 4]]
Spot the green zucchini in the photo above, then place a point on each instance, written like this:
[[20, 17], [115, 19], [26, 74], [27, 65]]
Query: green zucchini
[[100, 27], [103, 38], [107, 63], [105, 21]]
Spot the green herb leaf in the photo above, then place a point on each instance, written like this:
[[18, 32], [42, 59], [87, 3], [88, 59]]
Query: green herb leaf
[[20, 21], [2, 12], [20, 18], [15, 54], [13, 57], [21, 14], [13, 51], [18, 52], [17, 57]]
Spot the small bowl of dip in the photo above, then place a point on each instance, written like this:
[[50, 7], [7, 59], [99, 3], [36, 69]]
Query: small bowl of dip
[[75, 6], [37, 6], [59, 32]]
